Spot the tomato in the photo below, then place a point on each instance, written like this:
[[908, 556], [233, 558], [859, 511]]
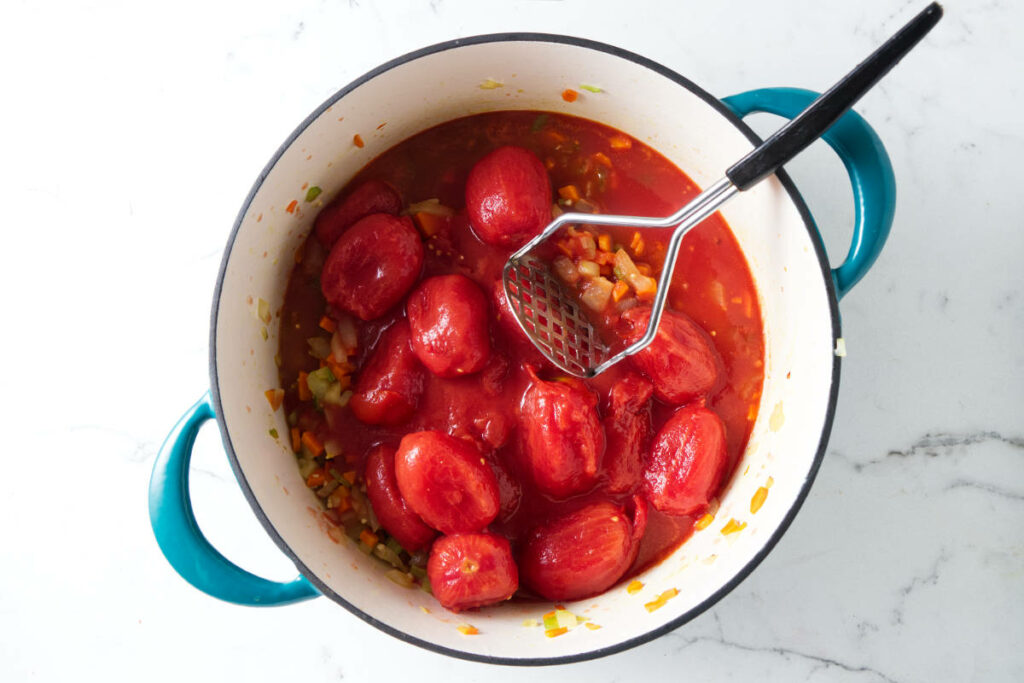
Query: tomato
[[627, 427], [582, 553], [471, 570], [392, 511], [388, 388], [508, 197], [446, 482], [448, 317], [686, 462], [372, 265], [681, 361], [563, 441], [373, 196]]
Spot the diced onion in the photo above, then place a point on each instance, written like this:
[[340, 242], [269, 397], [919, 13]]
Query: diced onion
[[319, 347], [565, 270], [588, 268], [597, 293], [432, 206]]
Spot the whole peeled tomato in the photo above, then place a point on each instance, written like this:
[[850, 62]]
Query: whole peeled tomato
[[373, 196], [448, 317], [446, 482], [372, 265], [681, 361], [471, 570], [508, 197], [584, 552], [392, 511], [627, 426], [389, 386], [686, 462], [563, 441]]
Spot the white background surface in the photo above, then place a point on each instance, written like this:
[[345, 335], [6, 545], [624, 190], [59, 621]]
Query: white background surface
[[131, 134]]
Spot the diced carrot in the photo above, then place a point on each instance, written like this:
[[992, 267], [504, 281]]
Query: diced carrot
[[704, 522], [660, 601], [620, 290], [296, 439], [274, 397], [563, 246], [569, 95], [357, 140], [758, 500], [429, 224], [312, 443], [604, 242], [732, 526], [620, 142], [316, 478], [368, 538], [645, 288], [343, 505], [349, 476], [637, 245], [644, 268], [602, 158], [569, 192], [604, 258], [291, 207], [339, 368], [592, 626], [467, 630], [553, 632], [634, 587], [327, 324], [304, 393], [554, 136]]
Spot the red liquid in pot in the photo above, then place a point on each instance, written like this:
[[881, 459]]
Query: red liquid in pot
[[712, 285]]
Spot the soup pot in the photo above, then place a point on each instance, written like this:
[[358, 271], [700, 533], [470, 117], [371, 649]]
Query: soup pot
[[702, 135]]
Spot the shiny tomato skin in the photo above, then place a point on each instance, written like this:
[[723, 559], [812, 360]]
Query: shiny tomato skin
[[446, 482], [372, 265], [563, 440], [681, 361], [388, 388], [686, 462], [627, 426], [448, 317], [373, 196], [391, 509], [508, 197], [472, 570], [582, 553]]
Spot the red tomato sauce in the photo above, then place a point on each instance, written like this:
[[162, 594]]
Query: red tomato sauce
[[712, 285]]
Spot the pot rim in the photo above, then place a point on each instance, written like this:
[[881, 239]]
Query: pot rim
[[819, 251]]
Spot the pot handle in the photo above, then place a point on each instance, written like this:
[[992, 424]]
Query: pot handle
[[181, 540], [871, 175]]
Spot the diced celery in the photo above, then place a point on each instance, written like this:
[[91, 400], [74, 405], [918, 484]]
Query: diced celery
[[399, 577], [395, 546], [319, 381], [319, 347]]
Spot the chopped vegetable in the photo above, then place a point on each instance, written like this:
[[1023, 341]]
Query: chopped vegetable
[[339, 499], [570, 95], [310, 441], [660, 601], [569, 192], [292, 206], [273, 432], [620, 142], [312, 193], [296, 439], [401, 578], [319, 381], [317, 477], [553, 632], [349, 476], [263, 311], [550, 621], [264, 333], [564, 269], [530, 623], [327, 324], [304, 393], [758, 500], [431, 206], [274, 397], [368, 538], [591, 626], [604, 242], [602, 158], [429, 224], [704, 522], [566, 619], [357, 140], [467, 630], [588, 268], [620, 290], [644, 286], [634, 587], [490, 84], [732, 526], [589, 88], [597, 293], [319, 347]]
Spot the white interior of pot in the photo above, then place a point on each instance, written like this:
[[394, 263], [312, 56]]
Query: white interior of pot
[[639, 101]]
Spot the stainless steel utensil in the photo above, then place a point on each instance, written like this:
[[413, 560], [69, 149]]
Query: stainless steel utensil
[[551, 316]]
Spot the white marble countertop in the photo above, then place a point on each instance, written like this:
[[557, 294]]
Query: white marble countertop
[[132, 132]]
